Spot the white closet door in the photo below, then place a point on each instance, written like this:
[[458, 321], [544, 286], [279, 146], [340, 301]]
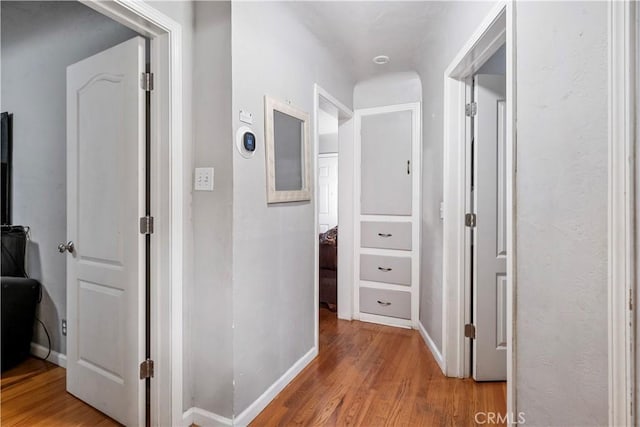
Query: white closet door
[[386, 169]]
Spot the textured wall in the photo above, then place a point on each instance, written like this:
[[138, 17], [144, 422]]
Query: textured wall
[[562, 213]]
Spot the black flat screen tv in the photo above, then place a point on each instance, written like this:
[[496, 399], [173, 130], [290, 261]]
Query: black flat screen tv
[[5, 179]]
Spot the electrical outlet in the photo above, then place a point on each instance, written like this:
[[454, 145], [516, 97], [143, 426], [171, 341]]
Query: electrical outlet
[[64, 327], [203, 179]]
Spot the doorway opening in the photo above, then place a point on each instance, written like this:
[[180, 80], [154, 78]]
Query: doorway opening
[[486, 208], [479, 232], [333, 158], [105, 150]]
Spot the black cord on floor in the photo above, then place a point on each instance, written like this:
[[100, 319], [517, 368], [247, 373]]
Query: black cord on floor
[[48, 340]]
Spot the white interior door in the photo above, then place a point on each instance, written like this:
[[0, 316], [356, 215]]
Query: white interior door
[[105, 198], [490, 239], [327, 191]]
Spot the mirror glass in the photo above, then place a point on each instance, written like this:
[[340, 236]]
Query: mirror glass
[[288, 133]]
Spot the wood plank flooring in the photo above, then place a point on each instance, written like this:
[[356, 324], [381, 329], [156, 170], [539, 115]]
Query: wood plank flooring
[[34, 394], [372, 375], [365, 375]]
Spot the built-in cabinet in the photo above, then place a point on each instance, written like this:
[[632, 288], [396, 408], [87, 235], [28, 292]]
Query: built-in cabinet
[[387, 214]]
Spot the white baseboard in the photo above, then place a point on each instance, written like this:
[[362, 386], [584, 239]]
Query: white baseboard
[[432, 346], [204, 418], [261, 402], [55, 357]]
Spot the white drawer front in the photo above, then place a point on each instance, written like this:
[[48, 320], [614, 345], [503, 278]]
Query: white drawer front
[[385, 302], [386, 269], [386, 235]]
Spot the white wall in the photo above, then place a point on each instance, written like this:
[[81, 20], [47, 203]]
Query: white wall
[[453, 30], [39, 41], [273, 253], [562, 213]]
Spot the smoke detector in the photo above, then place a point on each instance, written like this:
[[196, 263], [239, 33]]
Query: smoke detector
[[381, 59]]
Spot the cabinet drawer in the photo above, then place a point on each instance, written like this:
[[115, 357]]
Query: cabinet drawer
[[386, 235], [387, 269], [385, 302]]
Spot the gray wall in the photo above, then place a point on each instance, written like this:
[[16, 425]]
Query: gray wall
[[210, 333], [328, 138], [453, 30], [329, 142], [388, 89], [39, 41], [562, 213], [497, 64], [273, 245]]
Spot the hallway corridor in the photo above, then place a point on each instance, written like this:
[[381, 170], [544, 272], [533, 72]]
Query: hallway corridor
[[373, 375]]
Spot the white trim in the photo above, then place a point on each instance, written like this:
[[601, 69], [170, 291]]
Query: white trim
[[497, 28], [396, 322], [432, 346], [414, 218], [346, 113], [621, 221], [203, 418], [56, 358], [512, 273], [167, 197], [261, 402], [327, 155]]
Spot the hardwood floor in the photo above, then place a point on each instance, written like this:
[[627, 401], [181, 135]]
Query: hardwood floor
[[372, 375], [365, 375], [34, 394]]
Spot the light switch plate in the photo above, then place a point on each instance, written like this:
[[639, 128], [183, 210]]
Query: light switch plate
[[203, 180]]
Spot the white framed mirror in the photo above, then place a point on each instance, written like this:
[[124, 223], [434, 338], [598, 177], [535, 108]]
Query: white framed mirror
[[287, 150]]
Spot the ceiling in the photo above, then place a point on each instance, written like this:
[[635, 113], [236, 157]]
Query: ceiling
[[356, 31]]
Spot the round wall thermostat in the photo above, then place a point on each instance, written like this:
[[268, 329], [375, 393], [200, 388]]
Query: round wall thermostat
[[246, 142]]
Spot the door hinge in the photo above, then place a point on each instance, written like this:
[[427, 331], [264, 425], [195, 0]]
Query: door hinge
[[146, 369], [471, 109], [146, 225], [470, 331], [146, 81], [470, 220]]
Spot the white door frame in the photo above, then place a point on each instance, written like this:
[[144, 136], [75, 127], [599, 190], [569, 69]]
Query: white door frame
[[622, 211], [344, 113], [167, 183], [497, 28]]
